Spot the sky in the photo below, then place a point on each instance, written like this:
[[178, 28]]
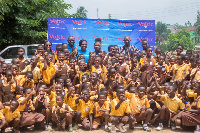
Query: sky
[[167, 11]]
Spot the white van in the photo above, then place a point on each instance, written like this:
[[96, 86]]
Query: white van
[[11, 52]]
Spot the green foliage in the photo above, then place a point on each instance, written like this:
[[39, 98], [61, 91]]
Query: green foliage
[[180, 38], [25, 21], [161, 32], [82, 12]]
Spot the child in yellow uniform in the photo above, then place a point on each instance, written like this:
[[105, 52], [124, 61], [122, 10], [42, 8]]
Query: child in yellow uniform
[[19, 92], [120, 112], [21, 58], [172, 105], [139, 106], [62, 113], [84, 110], [27, 81], [26, 108], [101, 111], [47, 69], [41, 104], [33, 67], [12, 116], [9, 86]]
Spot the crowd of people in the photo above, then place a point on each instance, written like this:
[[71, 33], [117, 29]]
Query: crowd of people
[[125, 86]]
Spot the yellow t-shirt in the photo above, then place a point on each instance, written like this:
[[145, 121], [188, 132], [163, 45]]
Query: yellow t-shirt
[[197, 75], [48, 73], [36, 73], [71, 102], [52, 98], [172, 104], [105, 106], [9, 115], [62, 108], [136, 102], [21, 107], [182, 70], [85, 108], [29, 84], [124, 108]]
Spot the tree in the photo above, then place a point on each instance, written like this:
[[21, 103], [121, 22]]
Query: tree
[[181, 37], [188, 24], [25, 21], [82, 12], [178, 26], [197, 24], [161, 32]]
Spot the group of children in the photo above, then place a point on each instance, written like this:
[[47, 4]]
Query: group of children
[[113, 89]]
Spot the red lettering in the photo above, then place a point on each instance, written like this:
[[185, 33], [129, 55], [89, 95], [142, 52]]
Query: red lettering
[[79, 21], [124, 24], [79, 37], [57, 21], [102, 22], [56, 36], [148, 39], [102, 38], [145, 24]]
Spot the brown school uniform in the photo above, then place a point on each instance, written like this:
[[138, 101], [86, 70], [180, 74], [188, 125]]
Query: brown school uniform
[[26, 114], [189, 118], [146, 76], [8, 91]]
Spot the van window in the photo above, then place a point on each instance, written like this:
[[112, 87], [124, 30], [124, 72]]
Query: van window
[[31, 51], [10, 53]]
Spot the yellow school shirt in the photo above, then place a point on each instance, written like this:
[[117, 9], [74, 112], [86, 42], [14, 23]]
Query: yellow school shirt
[[61, 108], [9, 115], [36, 73], [173, 104], [181, 72], [29, 84], [136, 102], [48, 73], [95, 87], [71, 102], [21, 107], [85, 108], [81, 73], [13, 85], [52, 98], [197, 75], [198, 102], [124, 108], [105, 106], [142, 60]]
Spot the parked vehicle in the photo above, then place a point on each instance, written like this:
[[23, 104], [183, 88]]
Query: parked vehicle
[[11, 52]]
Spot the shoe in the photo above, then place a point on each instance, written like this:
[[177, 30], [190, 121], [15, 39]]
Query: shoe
[[75, 127], [173, 127], [70, 128], [113, 129], [109, 124], [107, 129], [120, 127], [46, 127], [196, 131], [159, 128], [146, 128]]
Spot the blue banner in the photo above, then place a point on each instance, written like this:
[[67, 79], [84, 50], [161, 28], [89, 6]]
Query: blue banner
[[111, 31]]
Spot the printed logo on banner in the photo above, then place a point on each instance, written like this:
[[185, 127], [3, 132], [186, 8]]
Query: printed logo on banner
[[102, 22], [57, 21], [111, 31], [148, 39], [124, 23], [80, 22]]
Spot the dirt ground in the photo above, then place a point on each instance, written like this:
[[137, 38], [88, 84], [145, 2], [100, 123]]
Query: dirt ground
[[138, 129]]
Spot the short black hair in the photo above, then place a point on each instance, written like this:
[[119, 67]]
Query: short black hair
[[95, 74], [103, 89], [182, 56], [25, 89], [140, 86], [180, 46], [58, 54], [81, 41], [98, 40], [110, 46], [101, 93], [21, 48], [60, 95]]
